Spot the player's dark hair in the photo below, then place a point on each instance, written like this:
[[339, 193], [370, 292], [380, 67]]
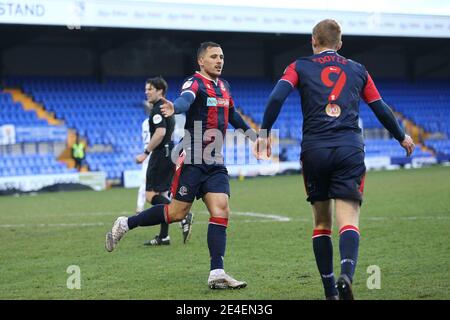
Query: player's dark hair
[[327, 33], [159, 84], [205, 45]]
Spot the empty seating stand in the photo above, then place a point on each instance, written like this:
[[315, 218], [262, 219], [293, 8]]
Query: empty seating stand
[[111, 113]]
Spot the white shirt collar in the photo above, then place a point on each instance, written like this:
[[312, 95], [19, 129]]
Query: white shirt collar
[[326, 50]]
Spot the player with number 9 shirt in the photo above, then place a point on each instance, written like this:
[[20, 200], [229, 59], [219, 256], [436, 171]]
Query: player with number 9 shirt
[[332, 155]]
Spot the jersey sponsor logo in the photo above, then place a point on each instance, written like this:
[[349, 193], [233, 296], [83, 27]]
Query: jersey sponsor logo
[[186, 85], [211, 102], [221, 102], [157, 118], [183, 191], [217, 102], [333, 110]]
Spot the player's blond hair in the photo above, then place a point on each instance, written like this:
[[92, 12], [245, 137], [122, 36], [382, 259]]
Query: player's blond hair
[[327, 33]]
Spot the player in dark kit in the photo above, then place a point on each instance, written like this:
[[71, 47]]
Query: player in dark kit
[[160, 167], [209, 108], [332, 155]]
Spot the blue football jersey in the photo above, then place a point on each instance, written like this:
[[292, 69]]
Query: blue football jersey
[[330, 87]]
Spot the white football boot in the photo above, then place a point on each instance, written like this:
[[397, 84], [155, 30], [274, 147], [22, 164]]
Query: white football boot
[[218, 279], [120, 227]]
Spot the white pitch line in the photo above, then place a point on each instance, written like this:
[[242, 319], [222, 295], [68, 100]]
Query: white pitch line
[[406, 218], [263, 215], [261, 218], [43, 225], [270, 217], [82, 214]]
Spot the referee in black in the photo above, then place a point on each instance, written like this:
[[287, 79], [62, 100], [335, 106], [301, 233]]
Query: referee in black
[[160, 168]]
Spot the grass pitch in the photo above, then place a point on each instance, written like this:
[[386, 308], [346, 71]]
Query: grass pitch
[[405, 225]]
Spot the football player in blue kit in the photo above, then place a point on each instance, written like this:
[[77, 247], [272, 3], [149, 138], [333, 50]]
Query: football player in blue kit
[[332, 155], [200, 172]]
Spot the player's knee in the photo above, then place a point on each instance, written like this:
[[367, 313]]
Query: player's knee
[[226, 210], [178, 212], [149, 196], [221, 210], [178, 215]]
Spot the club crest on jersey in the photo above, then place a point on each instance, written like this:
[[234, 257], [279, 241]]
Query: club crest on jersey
[[186, 85], [333, 110], [183, 191], [222, 87]]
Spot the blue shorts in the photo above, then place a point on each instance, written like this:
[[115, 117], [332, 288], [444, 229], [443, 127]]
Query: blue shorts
[[195, 180], [334, 173]]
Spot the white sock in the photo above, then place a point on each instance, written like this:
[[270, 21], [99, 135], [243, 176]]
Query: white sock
[[216, 272]]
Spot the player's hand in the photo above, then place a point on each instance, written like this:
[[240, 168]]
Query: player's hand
[[140, 158], [408, 145], [167, 108], [262, 149]]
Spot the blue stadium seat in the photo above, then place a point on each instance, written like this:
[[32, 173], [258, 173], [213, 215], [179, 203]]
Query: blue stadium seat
[[110, 113]]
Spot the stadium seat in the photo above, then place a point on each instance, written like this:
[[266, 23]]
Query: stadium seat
[[110, 114]]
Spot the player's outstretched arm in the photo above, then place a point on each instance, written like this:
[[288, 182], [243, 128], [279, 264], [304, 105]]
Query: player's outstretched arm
[[385, 115], [273, 106], [167, 108], [262, 149], [408, 145], [180, 105]]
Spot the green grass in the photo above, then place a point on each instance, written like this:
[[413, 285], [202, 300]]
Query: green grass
[[405, 227]]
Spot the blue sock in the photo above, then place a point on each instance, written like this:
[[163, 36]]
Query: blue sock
[[217, 241], [149, 217], [348, 246], [323, 251], [164, 229]]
